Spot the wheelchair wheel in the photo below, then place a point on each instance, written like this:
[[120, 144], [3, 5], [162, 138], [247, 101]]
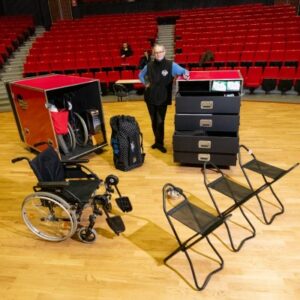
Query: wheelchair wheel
[[67, 142], [70, 138], [80, 130], [84, 237], [49, 216]]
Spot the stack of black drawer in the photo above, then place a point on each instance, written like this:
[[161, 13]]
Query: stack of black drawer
[[206, 124]]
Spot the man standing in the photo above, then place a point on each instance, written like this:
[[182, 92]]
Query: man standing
[[158, 77]]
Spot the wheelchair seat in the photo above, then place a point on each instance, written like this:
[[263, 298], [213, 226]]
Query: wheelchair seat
[[64, 189], [49, 168]]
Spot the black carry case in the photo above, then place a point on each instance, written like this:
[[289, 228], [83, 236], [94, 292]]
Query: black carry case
[[127, 142]]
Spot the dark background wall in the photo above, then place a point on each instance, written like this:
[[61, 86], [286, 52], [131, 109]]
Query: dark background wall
[[37, 8], [157, 5]]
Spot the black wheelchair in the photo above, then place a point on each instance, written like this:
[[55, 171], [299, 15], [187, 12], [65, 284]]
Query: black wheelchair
[[64, 190]]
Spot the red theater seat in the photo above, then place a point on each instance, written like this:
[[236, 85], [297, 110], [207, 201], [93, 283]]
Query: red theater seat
[[286, 79], [254, 78], [269, 78]]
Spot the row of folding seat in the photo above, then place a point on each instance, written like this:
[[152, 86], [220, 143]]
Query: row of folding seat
[[245, 58], [88, 43], [252, 9], [218, 31], [239, 24], [270, 78], [36, 55], [236, 46], [13, 31], [238, 36], [79, 65]]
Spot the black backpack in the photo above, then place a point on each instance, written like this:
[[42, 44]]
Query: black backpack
[[127, 142]]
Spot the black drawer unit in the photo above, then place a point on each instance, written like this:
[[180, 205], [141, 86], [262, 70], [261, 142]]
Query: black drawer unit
[[196, 142], [209, 122], [207, 118], [200, 158], [229, 104]]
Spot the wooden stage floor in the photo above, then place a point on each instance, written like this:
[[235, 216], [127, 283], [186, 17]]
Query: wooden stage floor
[[131, 266]]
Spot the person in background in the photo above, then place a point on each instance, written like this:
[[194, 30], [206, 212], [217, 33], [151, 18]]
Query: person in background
[[125, 50], [158, 76], [206, 57], [145, 59]]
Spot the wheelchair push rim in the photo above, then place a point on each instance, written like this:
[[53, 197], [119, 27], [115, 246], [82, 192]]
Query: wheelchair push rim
[[49, 216]]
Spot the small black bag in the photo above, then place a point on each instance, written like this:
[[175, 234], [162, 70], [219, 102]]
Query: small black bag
[[127, 142]]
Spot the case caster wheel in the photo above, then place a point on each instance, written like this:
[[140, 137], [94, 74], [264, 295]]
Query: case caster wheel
[[86, 238]]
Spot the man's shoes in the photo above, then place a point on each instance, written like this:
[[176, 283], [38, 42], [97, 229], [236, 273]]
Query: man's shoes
[[161, 148]]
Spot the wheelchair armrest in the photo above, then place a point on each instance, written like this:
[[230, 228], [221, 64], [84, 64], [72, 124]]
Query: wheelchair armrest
[[53, 184], [74, 162]]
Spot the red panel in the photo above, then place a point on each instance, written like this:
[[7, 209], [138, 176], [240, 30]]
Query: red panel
[[33, 116], [215, 75], [52, 82]]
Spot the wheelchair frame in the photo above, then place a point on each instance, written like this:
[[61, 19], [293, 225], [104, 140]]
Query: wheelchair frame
[[53, 212]]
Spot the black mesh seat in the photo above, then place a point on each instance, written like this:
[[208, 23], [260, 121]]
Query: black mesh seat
[[264, 169], [231, 189], [197, 219]]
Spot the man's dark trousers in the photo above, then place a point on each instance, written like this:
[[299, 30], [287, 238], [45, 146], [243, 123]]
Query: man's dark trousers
[[158, 114]]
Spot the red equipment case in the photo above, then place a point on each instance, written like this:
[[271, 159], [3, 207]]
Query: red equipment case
[[29, 100]]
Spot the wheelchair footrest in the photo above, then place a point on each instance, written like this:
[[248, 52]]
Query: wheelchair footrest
[[116, 224], [124, 204]]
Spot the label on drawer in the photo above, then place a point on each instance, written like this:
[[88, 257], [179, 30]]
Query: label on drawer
[[207, 104], [206, 123], [204, 157], [204, 144]]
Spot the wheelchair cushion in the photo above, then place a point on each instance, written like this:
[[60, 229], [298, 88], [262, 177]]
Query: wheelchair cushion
[[47, 166], [82, 189]]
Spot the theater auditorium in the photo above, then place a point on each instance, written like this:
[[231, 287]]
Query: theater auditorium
[[107, 193]]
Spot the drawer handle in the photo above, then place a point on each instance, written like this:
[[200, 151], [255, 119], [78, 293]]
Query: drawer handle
[[207, 104], [204, 157], [206, 123], [204, 144]]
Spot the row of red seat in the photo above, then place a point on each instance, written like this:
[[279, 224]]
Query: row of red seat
[[240, 24], [248, 57], [80, 53], [239, 20], [89, 45], [257, 9], [269, 78], [239, 46], [80, 65], [13, 31], [254, 33]]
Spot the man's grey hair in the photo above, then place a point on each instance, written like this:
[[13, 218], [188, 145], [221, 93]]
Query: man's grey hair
[[159, 45]]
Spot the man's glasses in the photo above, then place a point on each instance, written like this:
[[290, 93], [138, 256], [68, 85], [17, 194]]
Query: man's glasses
[[159, 52]]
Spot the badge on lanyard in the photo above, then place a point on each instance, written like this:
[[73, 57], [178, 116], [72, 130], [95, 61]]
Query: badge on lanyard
[[164, 73]]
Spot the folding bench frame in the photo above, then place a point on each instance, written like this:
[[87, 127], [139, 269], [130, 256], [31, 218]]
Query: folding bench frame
[[241, 194], [233, 190], [266, 170], [200, 221]]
